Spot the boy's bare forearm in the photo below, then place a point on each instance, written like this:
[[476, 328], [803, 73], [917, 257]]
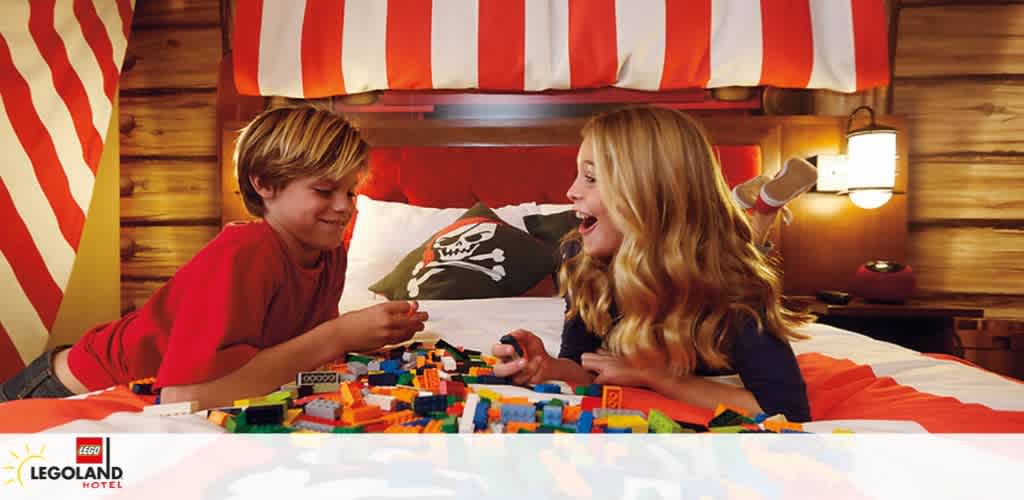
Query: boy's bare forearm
[[265, 372]]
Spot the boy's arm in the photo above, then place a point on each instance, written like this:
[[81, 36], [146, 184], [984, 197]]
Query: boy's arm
[[265, 372], [356, 331]]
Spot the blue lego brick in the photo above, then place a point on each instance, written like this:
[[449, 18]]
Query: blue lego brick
[[585, 423], [547, 388], [480, 417], [518, 413], [552, 415], [618, 430], [386, 379], [391, 365], [424, 405]]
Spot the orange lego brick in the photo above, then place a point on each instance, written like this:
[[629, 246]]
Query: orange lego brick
[[434, 427], [571, 414], [352, 415], [611, 396], [350, 394], [405, 395], [399, 417], [218, 417], [513, 426], [431, 380], [493, 414]]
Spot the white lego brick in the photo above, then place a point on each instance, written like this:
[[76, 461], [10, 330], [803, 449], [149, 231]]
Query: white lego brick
[[172, 409], [448, 363], [322, 377], [322, 408], [468, 411], [385, 402]]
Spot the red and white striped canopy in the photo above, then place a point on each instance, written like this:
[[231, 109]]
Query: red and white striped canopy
[[317, 48], [59, 65]]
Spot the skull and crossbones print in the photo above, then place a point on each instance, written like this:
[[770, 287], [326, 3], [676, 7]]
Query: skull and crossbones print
[[455, 247]]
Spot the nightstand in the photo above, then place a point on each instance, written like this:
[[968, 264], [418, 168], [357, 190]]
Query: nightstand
[[918, 325]]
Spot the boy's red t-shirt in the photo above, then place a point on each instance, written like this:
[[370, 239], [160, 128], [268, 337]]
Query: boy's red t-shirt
[[240, 294]]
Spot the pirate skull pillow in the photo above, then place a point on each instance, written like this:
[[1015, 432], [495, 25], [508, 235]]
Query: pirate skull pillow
[[477, 256]]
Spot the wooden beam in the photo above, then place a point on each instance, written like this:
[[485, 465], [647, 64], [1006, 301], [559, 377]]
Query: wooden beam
[[976, 260], [174, 124], [195, 52], [966, 187], [974, 39], [956, 116], [162, 14], [157, 190], [156, 252]]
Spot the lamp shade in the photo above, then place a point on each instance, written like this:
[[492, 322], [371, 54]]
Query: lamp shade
[[871, 175]]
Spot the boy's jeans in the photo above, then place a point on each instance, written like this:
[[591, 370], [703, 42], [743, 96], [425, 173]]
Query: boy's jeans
[[37, 380]]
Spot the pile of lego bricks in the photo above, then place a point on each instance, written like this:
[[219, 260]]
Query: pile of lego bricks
[[437, 389]]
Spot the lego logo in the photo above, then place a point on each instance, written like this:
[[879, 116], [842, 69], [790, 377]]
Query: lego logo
[[90, 450]]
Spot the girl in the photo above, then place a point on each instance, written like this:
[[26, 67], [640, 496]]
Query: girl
[[663, 279]]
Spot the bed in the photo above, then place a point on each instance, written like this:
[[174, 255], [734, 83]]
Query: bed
[[854, 382]]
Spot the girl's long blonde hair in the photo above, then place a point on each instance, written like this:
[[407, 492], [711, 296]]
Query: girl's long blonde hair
[[688, 273]]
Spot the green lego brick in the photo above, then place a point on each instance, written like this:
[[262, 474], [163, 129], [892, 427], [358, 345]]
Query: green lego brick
[[580, 390], [450, 425], [359, 359], [405, 378], [358, 429], [659, 423], [728, 429], [236, 424], [469, 379], [268, 429], [280, 396]]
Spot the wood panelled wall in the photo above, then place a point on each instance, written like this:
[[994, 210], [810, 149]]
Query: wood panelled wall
[[170, 180], [959, 79]]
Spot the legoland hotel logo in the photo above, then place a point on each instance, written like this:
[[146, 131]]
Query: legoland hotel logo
[[92, 467]]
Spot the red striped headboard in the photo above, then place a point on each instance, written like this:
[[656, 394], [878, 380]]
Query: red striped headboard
[[442, 177]]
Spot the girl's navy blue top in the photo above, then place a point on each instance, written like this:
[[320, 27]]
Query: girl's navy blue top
[[765, 364]]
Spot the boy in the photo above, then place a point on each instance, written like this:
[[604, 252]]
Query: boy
[[259, 302]]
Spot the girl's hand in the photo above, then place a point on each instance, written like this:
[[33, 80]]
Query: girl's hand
[[614, 370], [533, 368], [379, 325]]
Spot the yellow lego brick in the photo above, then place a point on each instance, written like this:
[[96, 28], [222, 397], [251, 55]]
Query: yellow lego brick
[[489, 394], [635, 422], [291, 415]]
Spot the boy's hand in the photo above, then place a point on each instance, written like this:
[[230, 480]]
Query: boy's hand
[[532, 368], [380, 325]]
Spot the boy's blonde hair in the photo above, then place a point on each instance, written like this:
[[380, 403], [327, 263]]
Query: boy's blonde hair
[[284, 144], [687, 273]]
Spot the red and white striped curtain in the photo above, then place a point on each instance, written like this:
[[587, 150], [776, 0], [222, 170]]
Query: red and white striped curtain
[[316, 48], [59, 65]]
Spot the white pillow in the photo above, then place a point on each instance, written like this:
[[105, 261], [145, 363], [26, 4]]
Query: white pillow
[[386, 231]]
